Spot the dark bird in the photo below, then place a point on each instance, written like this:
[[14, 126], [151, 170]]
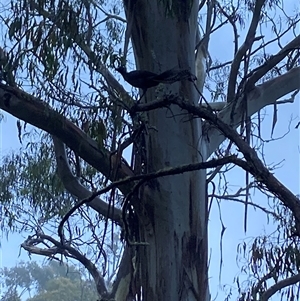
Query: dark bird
[[139, 78], [145, 79], [175, 75]]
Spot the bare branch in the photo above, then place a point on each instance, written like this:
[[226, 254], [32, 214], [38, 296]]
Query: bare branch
[[146, 177], [273, 61], [288, 29], [233, 24], [250, 38], [110, 16], [30, 245], [258, 98], [228, 198], [253, 164]]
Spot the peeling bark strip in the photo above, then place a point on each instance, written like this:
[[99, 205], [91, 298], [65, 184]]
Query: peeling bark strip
[[179, 9]]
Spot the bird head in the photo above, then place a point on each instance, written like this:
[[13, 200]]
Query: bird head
[[122, 69]]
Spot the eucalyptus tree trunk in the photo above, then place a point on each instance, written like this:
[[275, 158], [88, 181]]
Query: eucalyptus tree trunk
[[173, 209]]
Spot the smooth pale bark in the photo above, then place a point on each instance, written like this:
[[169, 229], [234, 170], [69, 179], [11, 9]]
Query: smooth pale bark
[[260, 97], [173, 209]]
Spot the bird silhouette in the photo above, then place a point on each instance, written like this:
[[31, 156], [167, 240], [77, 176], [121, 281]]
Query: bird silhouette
[[145, 79], [139, 78]]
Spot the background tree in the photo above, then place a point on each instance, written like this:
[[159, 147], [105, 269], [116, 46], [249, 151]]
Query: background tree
[[57, 58], [11, 296], [53, 281]]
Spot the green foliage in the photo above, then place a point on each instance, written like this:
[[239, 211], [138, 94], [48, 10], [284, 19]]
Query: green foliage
[[11, 296], [31, 180], [45, 37], [276, 256], [63, 289], [56, 48], [49, 282]]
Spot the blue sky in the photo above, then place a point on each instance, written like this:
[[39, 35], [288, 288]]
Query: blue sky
[[285, 149]]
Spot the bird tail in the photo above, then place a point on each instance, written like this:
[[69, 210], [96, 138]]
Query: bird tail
[[174, 75]]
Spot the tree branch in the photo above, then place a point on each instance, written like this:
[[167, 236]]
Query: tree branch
[[74, 187], [79, 40], [258, 98], [36, 112], [234, 199], [273, 61], [253, 164], [146, 177], [250, 38], [278, 286], [30, 245]]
